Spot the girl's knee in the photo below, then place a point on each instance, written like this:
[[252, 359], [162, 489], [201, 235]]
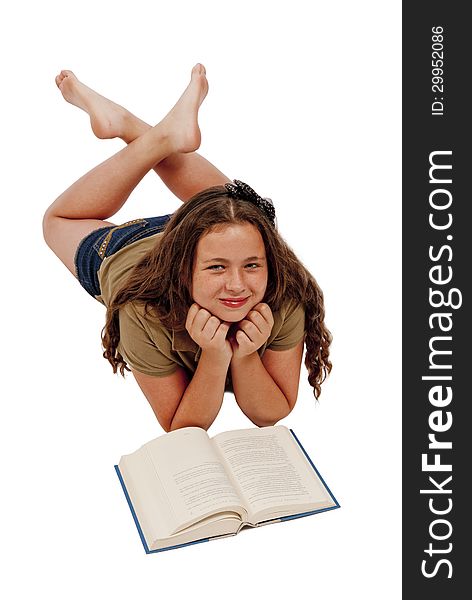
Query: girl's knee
[[50, 225], [46, 224]]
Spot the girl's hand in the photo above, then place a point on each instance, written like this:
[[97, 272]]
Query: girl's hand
[[209, 333], [253, 331]]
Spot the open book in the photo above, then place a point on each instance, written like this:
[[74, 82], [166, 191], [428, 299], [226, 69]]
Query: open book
[[185, 487]]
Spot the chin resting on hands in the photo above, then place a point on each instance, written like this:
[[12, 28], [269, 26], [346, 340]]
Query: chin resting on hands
[[208, 332], [253, 330]]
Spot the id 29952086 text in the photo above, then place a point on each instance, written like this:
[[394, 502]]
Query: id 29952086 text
[[437, 70]]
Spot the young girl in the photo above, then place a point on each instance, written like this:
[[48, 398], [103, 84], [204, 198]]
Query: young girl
[[207, 299]]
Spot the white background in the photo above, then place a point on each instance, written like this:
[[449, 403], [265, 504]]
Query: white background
[[303, 105]]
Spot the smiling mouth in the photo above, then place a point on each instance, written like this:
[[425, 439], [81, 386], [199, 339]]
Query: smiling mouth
[[233, 302]]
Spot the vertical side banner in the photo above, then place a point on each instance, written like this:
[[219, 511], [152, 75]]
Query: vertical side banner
[[436, 299]]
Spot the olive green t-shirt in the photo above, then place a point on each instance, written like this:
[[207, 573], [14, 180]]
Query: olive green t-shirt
[[149, 347]]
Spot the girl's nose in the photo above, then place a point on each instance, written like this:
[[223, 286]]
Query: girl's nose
[[235, 281]]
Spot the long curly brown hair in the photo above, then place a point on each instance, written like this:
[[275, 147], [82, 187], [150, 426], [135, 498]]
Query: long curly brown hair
[[162, 280]]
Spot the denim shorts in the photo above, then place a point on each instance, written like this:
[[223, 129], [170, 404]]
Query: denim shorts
[[105, 241]]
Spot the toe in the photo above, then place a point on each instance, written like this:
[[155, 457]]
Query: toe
[[60, 77]]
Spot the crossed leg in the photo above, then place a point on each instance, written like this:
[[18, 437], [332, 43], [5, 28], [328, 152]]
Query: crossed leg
[[168, 148]]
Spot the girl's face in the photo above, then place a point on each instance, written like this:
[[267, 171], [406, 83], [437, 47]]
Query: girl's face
[[230, 271]]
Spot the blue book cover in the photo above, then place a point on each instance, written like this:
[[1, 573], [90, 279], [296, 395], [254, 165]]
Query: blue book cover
[[198, 541]]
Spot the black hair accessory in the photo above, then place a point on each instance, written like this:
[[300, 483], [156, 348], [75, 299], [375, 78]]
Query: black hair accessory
[[241, 190]]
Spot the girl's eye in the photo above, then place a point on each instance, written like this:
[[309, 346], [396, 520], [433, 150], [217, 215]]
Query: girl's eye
[[216, 267], [252, 265]]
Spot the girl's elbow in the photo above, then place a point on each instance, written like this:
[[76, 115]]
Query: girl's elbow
[[269, 421], [265, 423]]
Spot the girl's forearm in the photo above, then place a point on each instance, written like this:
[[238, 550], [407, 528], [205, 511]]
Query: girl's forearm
[[203, 397], [257, 394]]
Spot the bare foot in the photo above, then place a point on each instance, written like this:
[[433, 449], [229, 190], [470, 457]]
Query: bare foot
[[108, 120], [181, 122]]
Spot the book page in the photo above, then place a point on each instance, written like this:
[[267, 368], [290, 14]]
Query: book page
[[192, 476], [271, 471]]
